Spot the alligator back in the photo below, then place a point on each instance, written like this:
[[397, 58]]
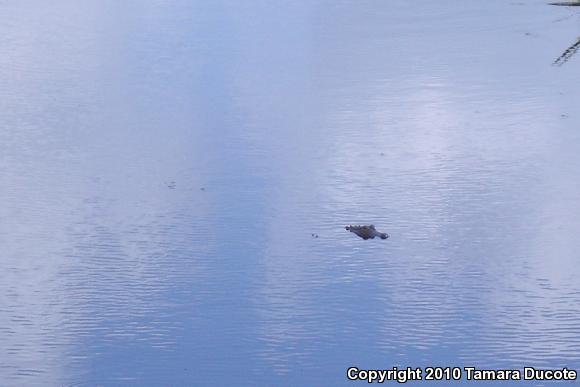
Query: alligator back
[[366, 232]]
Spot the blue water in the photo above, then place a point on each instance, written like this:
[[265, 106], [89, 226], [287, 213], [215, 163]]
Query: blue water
[[164, 164]]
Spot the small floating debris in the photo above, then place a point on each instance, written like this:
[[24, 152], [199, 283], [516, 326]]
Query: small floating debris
[[202, 189], [568, 53], [314, 235], [367, 232], [171, 185]]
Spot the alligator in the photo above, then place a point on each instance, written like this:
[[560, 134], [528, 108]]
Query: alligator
[[367, 232]]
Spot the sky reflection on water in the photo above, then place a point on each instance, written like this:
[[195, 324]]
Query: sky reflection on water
[[165, 164]]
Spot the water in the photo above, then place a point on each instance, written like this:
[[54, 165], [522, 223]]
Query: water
[[164, 165]]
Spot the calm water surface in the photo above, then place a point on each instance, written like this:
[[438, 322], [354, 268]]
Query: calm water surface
[[164, 164]]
